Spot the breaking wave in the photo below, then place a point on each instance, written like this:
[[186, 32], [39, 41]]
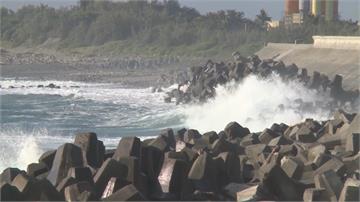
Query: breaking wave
[[257, 103]]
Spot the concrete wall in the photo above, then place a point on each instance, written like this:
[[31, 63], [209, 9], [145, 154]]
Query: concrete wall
[[337, 42], [330, 61]]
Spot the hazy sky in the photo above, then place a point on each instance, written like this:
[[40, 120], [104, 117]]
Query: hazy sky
[[348, 9]]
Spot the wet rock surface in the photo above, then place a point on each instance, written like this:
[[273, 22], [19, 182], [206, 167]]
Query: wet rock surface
[[310, 161]]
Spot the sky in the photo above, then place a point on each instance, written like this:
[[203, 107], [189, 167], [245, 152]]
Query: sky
[[348, 9]]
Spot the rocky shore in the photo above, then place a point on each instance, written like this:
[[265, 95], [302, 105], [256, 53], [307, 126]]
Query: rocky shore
[[204, 79], [309, 161]]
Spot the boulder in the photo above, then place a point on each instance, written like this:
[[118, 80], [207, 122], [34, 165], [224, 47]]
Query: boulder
[[81, 191], [267, 135], [151, 161], [109, 153], [350, 191], [334, 164], [67, 156], [36, 169], [281, 140], [81, 174], [233, 130], [190, 135], [160, 143], [93, 150], [169, 137], [113, 185], [9, 193], [110, 168], [173, 176], [353, 143], [286, 189], [292, 167], [231, 167], [315, 194], [203, 173], [8, 175], [35, 190], [232, 189], [134, 174], [331, 182], [210, 137], [127, 193], [128, 146], [48, 158], [64, 183]]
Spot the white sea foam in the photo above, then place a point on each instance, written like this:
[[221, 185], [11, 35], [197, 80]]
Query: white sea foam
[[255, 103], [19, 147]]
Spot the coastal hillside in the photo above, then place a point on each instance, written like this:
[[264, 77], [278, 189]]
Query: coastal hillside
[[148, 28]]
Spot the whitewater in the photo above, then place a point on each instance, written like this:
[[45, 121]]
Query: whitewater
[[34, 120]]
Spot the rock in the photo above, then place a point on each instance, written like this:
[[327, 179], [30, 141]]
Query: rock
[[9, 193], [110, 168], [134, 174], [221, 145], [353, 143], [169, 137], [350, 191], [180, 134], [203, 173], [35, 169], [210, 137], [333, 164], [190, 154], [81, 191], [232, 189], [281, 140], [316, 150], [248, 194], [67, 156], [109, 153], [67, 181], [128, 146], [151, 161], [160, 143], [48, 158], [286, 189], [81, 174], [173, 176], [234, 130], [93, 150], [35, 190], [113, 185], [190, 135], [8, 175], [292, 167], [315, 194], [231, 167], [267, 135], [127, 193], [331, 182]]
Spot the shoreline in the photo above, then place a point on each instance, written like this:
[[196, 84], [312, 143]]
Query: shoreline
[[233, 164]]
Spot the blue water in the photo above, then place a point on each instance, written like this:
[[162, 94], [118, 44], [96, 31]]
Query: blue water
[[40, 119], [34, 120]]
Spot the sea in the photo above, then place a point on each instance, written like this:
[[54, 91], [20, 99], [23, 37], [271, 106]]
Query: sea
[[34, 120]]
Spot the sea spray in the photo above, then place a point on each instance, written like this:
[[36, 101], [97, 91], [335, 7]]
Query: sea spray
[[256, 103]]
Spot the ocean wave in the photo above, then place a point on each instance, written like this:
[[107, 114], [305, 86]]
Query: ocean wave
[[256, 103], [20, 147]]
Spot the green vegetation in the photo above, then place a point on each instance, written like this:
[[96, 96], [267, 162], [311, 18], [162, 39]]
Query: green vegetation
[[142, 27]]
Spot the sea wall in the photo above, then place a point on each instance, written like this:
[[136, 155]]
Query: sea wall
[[337, 42], [310, 161]]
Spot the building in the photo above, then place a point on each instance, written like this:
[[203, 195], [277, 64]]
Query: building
[[296, 10]]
